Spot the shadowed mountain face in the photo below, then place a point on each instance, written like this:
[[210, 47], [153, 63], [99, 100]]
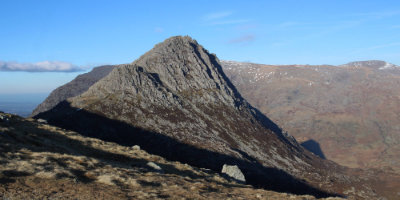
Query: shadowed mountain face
[[351, 110], [76, 87], [314, 147], [176, 101]]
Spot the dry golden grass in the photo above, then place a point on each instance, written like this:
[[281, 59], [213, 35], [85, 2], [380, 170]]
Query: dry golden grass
[[39, 161]]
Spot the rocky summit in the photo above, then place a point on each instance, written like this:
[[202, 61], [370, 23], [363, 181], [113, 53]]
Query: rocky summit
[[175, 101]]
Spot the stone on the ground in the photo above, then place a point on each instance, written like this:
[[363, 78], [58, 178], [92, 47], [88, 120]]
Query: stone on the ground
[[42, 121], [155, 166], [136, 147], [234, 172]]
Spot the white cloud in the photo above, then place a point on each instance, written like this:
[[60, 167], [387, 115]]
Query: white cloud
[[217, 15], [222, 18], [45, 66]]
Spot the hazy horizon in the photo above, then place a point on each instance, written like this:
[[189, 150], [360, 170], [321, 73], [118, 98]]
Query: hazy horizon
[[21, 104]]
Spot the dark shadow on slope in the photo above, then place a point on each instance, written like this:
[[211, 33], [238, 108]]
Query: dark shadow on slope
[[34, 139], [94, 125], [314, 147]]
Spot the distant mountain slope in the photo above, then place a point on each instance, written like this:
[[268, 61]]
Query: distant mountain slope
[[76, 87], [352, 110], [39, 161], [175, 101], [374, 64]]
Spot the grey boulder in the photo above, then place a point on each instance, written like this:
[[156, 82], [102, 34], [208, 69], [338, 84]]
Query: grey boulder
[[234, 172]]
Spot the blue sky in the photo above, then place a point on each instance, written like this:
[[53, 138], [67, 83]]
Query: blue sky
[[58, 36]]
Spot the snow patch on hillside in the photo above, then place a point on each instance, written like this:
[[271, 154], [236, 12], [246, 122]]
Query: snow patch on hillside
[[389, 66]]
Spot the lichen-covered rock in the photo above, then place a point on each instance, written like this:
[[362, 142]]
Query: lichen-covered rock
[[234, 172]]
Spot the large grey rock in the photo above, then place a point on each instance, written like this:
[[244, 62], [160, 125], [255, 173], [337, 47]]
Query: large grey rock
[[234, 172]]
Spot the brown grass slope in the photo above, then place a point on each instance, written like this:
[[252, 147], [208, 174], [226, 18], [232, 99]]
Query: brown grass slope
[[39, 161]]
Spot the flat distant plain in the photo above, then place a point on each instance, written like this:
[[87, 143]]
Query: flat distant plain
[[21, 104]]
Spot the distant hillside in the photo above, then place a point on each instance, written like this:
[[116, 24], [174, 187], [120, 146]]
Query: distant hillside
[[351, 112]]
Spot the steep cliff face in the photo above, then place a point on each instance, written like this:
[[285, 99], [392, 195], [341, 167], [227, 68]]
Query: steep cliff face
[[176, 101], [76, 87]]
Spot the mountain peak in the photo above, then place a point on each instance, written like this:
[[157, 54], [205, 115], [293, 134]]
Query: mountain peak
[[177, 102], [172, 45], [178, 89], [178, 65], [179, 39]]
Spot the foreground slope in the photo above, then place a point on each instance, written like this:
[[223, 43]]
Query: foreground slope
[[350, 111], [39, 161], [175, 101]]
